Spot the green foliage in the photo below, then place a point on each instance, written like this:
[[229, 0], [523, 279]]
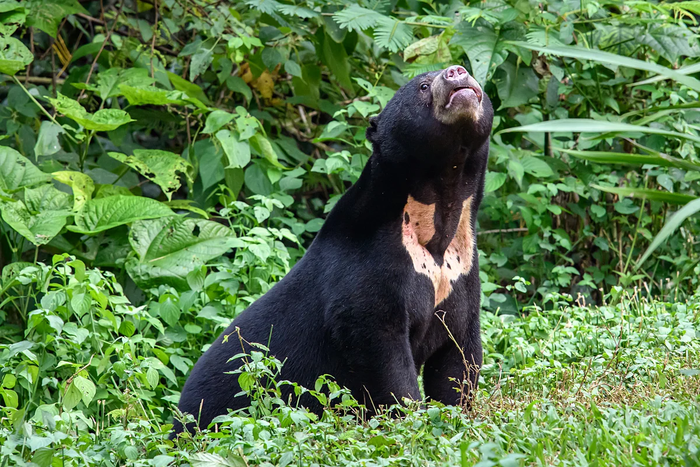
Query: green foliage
[[185, 109], [185, 153], [93, 380]]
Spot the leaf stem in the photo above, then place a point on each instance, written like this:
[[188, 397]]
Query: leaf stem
[[636, 230], [43, 110]]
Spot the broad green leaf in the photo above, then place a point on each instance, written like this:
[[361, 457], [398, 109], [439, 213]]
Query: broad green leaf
[[72, 397], [691, 208], [8, 381], [516, 84], [47, 198], [10, 398], [494, 181], [186, 205], [14, 56], [82, 186], [107, 82], [292, 68], [246, 124], [271, 57], [152, 375], [17, 172], [536, 166], [201, 60], [169, 248], [626, 206], [150, 95], [205, 459], [482, 46], [161, 167], [602, 157], [237, 152], [88, 49], [263, 146], [257, 181], [170, 312], [643, 193], [670, 41], [583, 125], [211, 168], [86, 387], [39, 228], [47, 143], [366, 108], [188, 88], [426, 46], [581, 53], [216, 120], [48, 14], [337, 60], [102, 120], [236, 84], [106, 213]]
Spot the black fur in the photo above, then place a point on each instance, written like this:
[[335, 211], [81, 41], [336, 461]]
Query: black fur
[[353, 306]]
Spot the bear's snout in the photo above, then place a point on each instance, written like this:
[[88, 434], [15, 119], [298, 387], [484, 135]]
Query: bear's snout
[[454, 72], [457, 96]]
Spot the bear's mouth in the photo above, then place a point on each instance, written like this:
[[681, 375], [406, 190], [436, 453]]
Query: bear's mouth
[[464, 90]]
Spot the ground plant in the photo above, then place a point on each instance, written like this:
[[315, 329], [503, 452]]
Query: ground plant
[[163, 163]]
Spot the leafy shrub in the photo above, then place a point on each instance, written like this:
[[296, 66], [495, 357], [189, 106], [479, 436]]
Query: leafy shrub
[[95, 379], [164, 163], [171, 109]]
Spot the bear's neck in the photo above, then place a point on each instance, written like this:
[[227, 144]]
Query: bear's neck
[[378, 199]]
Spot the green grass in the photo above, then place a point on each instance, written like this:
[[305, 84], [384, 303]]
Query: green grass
[[610, 386]]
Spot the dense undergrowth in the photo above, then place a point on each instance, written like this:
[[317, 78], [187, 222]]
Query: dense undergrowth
[[210, 119], [164, 162], [99, 377]]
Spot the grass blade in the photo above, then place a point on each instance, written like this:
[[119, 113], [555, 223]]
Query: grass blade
[[585, 125], [685, 70], [620, 158], [671, 225], [644, 193], [595, 55]]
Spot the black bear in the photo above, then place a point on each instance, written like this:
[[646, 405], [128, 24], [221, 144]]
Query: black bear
[[390, 284]]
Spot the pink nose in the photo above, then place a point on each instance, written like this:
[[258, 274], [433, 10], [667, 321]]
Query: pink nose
[[454, 72]]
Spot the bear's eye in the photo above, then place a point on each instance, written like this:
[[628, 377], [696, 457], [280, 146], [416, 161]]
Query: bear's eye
[[424, 87]]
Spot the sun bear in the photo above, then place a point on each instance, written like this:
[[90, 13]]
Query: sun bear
[[390, 284]]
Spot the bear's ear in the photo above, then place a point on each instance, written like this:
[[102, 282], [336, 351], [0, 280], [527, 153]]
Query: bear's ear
[[371, 132]]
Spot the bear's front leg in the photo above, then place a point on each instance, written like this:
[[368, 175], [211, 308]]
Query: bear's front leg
[[376, 362], [451, 375]]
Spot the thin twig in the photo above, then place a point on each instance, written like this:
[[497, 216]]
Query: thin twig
[[41, 107], [107, 37], [39, 79], [31, 45], [499, 231], [90, 18], [153, 41]]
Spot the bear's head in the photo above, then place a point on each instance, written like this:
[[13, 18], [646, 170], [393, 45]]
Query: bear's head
[[437, 115]]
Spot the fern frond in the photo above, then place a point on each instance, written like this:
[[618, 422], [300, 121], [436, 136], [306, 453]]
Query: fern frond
[[298, 11], [432, 19], [266, 6], [357, 18], [393, 34], [380, 6], [415, 69]]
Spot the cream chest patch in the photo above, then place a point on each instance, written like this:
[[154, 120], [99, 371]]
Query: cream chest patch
[[419, 227]]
